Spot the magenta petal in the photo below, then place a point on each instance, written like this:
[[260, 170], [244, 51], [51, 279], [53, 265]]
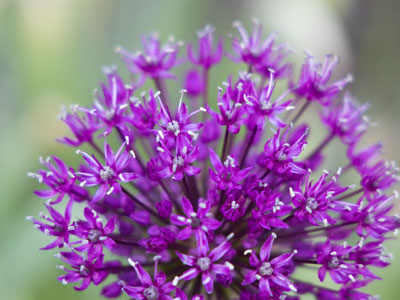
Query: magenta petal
[[266, 248]]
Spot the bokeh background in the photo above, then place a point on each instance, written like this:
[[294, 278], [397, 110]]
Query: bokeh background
[[52, 52]]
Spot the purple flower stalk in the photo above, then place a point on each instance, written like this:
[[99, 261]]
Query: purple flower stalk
[[219, 198]]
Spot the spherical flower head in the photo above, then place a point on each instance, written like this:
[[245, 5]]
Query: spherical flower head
[[223, 200]]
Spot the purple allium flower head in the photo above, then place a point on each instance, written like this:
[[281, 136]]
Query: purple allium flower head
[[219, 198]]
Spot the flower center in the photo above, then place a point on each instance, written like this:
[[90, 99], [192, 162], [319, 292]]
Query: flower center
[[234, 205], [266, 269], [83, 270], [334, 263], [94, 235], [229, 162], [196, 222], [177, 162], [369, 219], [204, 263], [311, 204], [107, 173], [265, 105], [282, 156], [174, 127], [151, 293]]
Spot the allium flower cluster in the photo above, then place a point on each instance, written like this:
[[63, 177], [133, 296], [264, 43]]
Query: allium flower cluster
[[217, 197]]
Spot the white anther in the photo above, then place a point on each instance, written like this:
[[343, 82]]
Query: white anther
[[181, 218], [157, 257], [175, 281], [248, 251], [230, 236], [230, 266], [109, 192], [207, 280], [132, 263], [291, 192], [82, 184]]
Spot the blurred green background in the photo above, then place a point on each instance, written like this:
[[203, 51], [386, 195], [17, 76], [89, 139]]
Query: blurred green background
[[52, 52]]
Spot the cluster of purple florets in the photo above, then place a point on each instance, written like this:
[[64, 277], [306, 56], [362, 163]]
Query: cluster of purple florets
[[217, 197]]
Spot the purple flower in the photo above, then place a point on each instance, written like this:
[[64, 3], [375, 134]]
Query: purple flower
[[269, 272], [60, 179], [156, 289], [180, 130], [204, 263], [231, 107], [144, 114], [234, 205], [315, 201], [226, 175], [81, 269], [380, 176], [346, 120], [193, 83], [155, 61], [371, 216], [206, 55], [94, 234], [108, 175], [313, 83], [174, 166], [83, 127], [110, 106], [199, 222], [56, 224], [279, 155], [333, 260], [263, 56], [261, 107], [206, 194]]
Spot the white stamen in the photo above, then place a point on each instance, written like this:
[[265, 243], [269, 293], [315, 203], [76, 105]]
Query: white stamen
[[132, 263], [230, 236], [248, 251]]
